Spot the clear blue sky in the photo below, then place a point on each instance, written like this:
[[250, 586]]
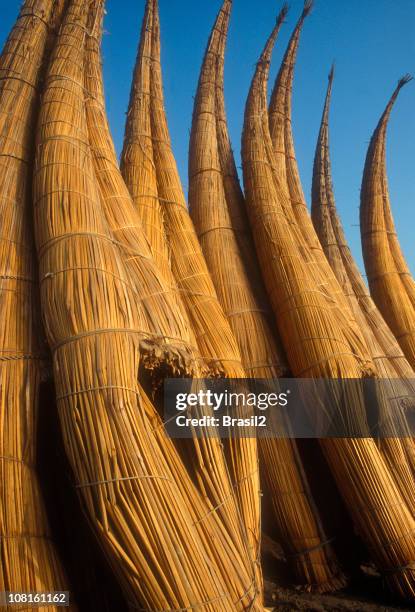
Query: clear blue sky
[[371, 41]]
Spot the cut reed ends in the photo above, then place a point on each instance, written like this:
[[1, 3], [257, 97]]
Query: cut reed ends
[[167, 344]]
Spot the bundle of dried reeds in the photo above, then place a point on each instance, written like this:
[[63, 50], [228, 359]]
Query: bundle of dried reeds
[[280, 113], [206, 461], [318, 346], [210, 326], [391, 283], [384, 348], [217, 207], [216, 203], [28, 559], [138, 506]]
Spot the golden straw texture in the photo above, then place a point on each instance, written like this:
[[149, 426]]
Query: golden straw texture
[[28, 559], [217, 207], [212, 331], [137, 506], [384, 348], [391, 283], [318, 347]]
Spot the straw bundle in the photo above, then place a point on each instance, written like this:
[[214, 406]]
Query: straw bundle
[[391, 283], [211, 329], [318, 347], [136, 503], [383, 346], [235, 198], [207, 460], [212, 184], [28, 559], [280, 114], [217, 207]]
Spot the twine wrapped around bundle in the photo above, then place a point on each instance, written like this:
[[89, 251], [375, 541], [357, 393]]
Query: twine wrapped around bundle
[[317, 346], [28, 558], [384, 348], [137, 505], [217, 207], [214, 336], [390, 280]]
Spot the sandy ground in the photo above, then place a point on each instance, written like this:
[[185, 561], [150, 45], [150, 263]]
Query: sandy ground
[[365, 594], [288, 600]]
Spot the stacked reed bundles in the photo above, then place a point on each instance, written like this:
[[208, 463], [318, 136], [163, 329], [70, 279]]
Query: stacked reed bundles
[[391, 283], [280, 111], [318, 347], [280, 114], [167, 341], [385, 350], [218, 211], [212, 331], [207, 459], [138, 511], [187, 259], [28, 559]]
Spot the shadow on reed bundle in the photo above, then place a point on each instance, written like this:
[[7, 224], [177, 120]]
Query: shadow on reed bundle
[[217, 207], [391, 283], [384, 348], [28, 559], [212, 331], [317, 346], [206, 461], [139, 511]]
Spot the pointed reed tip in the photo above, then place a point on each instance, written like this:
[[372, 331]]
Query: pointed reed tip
[[308, 6], [331, 74], [283, 13], [404, 80]]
